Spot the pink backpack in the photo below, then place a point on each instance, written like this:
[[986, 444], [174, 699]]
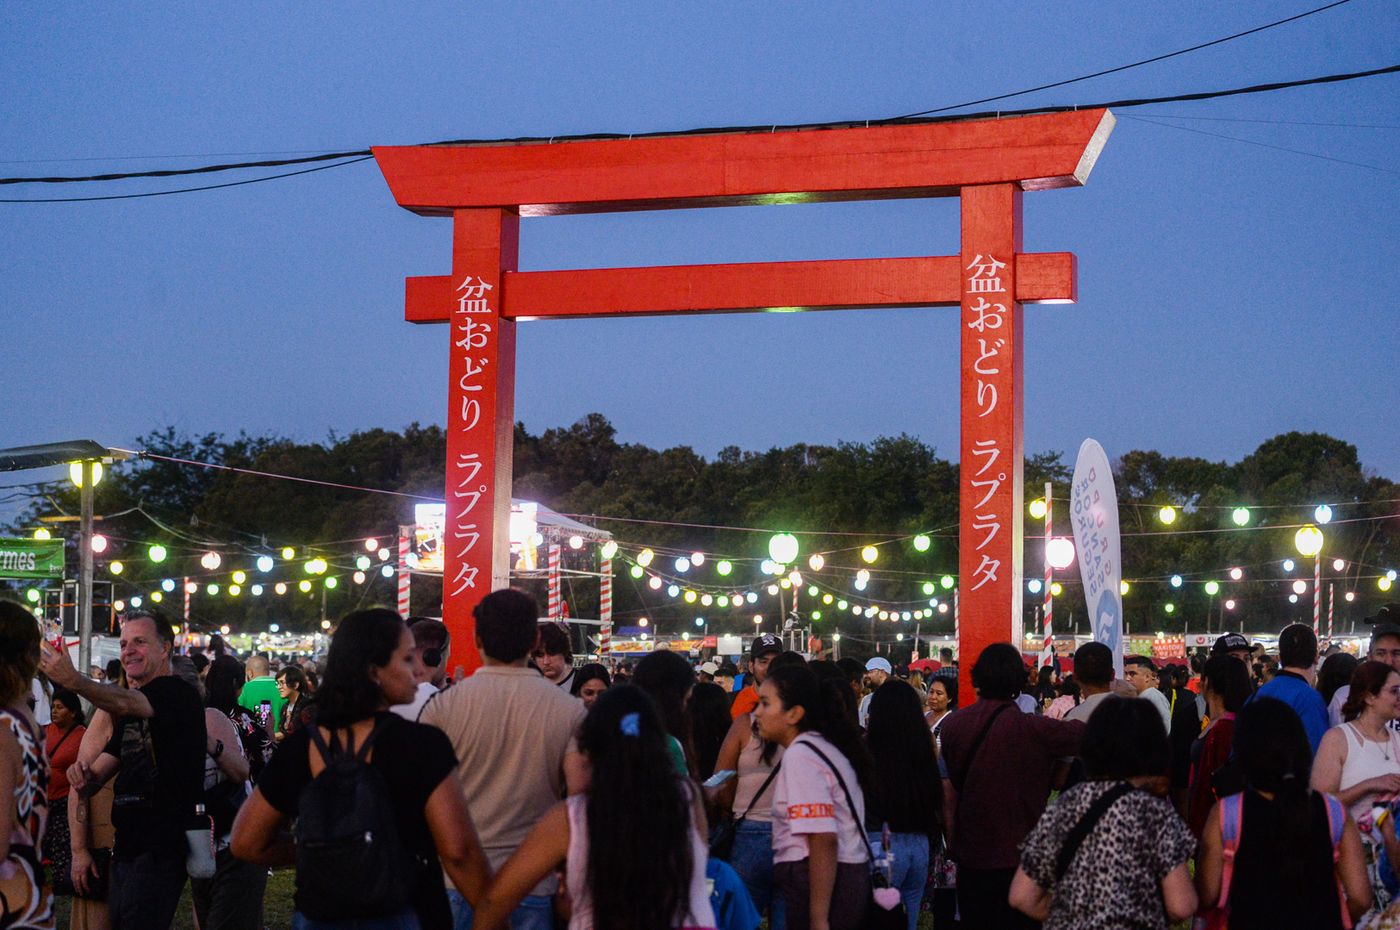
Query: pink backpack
[[1231, 816]]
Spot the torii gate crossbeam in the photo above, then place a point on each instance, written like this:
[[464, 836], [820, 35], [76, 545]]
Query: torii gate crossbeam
[[987, 163]]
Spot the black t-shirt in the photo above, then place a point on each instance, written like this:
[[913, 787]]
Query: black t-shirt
[[413, 758], [161, 777]]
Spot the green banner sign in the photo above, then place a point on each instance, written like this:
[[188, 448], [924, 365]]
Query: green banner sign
[[31, 558]]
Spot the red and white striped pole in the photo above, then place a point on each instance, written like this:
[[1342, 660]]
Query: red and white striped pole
[[186, 588], [957, 627], [1317, 592], [555, 601], [605, 608], [1331, 602], [405, 579], [1049, 607]]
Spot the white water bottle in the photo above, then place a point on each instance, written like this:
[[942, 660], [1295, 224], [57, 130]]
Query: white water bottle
[[199, 838]]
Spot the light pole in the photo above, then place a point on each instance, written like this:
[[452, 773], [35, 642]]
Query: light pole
[[1308, 541]]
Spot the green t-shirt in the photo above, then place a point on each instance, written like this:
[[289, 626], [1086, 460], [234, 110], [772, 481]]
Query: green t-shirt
[[677, 753], [263, 689]]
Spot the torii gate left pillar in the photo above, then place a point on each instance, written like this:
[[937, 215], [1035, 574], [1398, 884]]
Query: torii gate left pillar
[[988, 163]]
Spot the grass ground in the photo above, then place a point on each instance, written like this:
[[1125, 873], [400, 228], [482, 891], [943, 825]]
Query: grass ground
[[277, 904]]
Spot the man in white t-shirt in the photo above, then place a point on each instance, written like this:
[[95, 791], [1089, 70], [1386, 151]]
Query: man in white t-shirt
[[431, 648], [1139, 672], [1385, 647], [877, 672]]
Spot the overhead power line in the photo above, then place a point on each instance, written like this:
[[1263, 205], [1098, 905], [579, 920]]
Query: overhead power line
[[348, 158], [1136, 64]]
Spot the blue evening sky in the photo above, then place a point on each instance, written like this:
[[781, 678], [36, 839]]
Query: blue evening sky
[[1228, 291]]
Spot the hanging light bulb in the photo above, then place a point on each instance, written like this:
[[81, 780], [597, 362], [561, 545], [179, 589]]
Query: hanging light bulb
[[682, 565], [1322, 514], [1124, 587], [265, 563], [1288, 565], [42, 534], [191, 587], [1167, 515], [280, 587], [644, 557], [384, 555], [1037, 508], [1212, 588], [782, 548], [1300, 586], [1236, 573], [1056, 589], [1230, 604], [608, 550], [331, 582], [1176, 581], [211, 560], [575, 542], [922, 543], [358, 577], [304, 586], [371, 544], [239, 577], [256, 590], [167, 584], [947, 581], [363, 563], [673, 590], [654, 582], [724, 567], [1308, 540], [697, 558], [636, 571], [99, 543], [387, 571], [1059, 552], [288, 553], [116, 568], [815, 561], [869, 554], [1339, 565], [75, 473], [1240, 516], [1034, 586]]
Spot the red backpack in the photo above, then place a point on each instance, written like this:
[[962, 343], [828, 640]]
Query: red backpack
[[1231, 819]]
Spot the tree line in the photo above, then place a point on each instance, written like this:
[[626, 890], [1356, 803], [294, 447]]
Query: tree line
[[838, 497]]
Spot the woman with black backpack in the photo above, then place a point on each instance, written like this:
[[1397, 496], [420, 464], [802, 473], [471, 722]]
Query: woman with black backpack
[[379, 812]]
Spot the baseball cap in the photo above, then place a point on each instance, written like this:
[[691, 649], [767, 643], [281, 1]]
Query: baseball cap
[[1230, 642], [763, 644], [878, 664], [709, 668], [1388, 615]]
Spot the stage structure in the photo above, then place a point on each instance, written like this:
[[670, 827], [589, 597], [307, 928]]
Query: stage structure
[[987, 163]]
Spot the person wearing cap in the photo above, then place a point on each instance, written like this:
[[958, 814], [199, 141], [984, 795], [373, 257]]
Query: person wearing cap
[[761, 651], [877, 672], [1232, 644], [707, 671], [1385, 647]]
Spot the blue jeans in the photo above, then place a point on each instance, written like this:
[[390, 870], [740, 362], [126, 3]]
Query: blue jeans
[[146, 890], [909, 872], [753, 860], [536, 912], [405, 920]]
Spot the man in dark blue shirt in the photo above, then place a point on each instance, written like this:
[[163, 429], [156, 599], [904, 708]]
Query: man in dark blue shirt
[[1293, 685]]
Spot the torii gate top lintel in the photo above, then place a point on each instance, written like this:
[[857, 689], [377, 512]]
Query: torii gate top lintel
[[988, 163], [748, 168]]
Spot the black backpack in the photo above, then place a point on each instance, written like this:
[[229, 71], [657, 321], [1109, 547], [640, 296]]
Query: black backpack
[[350, 861]]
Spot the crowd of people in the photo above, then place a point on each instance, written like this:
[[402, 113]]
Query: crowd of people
[[1240, 790]]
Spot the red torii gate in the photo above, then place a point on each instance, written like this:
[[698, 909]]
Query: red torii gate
[[988, 163]]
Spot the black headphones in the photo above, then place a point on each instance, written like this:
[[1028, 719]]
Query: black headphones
[[434, 657]]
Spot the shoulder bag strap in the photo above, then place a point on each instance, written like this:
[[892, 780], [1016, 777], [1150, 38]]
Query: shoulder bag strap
[[1086, 824], [850, 801], [753, 802], [1231, 818], [972, 750]]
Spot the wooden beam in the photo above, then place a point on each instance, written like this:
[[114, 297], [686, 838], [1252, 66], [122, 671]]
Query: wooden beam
[[742, 168], [820, 285]]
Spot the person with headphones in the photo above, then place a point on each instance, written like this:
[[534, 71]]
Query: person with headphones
[[432, 646]]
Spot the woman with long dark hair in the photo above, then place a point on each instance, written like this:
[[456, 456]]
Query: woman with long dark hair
[[291, 685], [903, 799], [26, 902], [589, 682], [667, 679], [1359, 762], [819, 846], [1294, 857], [1336, 670], [62, 738], [708, 710], [1225, 686], [631, 844], [368, 670]]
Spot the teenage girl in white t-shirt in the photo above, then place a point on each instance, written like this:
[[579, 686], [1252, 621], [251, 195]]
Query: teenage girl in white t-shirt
[[819, 851]]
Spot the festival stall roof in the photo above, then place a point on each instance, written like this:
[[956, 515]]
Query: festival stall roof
[[552, 523]]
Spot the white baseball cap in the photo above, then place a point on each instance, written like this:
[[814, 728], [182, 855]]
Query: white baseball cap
[[879, 664]]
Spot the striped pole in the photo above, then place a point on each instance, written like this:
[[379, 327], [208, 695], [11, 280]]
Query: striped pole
[[1045, 652], [957, 634], [1331, 603], [405, 579], [605, 609], [554, 599], [1317, 592], [186, 588]]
